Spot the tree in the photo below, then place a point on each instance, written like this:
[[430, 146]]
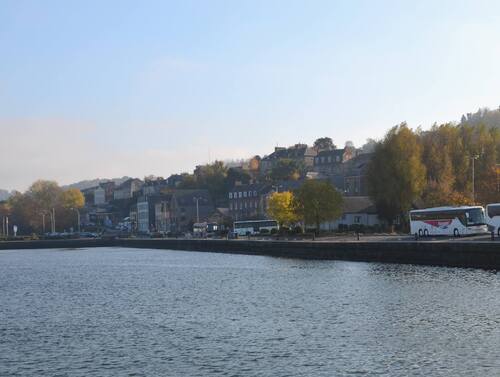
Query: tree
[[396, 175], [369, 146], [280, 207], [317, 201], [237, 175], [213, 178], [285, 169], [72, 198], [324, 143]]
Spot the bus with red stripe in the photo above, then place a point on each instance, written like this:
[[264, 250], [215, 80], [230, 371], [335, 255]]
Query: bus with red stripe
[[448, 221]]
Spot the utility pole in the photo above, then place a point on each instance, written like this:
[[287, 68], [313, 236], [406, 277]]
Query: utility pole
[[7, 226]]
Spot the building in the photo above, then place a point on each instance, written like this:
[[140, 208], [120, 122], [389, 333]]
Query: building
[[249, 201], [188, 207], [152, 213], [356, 210], [355, 171], [99, 196], [332, 162], [153, 186], [144, 222], [127, 189], [300, 153]]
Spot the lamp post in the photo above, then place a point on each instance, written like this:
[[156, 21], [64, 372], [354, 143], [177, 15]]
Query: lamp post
[[474, 158], [197, 209], [78, 217], [43, 222]]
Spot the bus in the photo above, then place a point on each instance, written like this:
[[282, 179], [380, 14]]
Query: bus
[[448, 221], [493, 217], [245, 228]]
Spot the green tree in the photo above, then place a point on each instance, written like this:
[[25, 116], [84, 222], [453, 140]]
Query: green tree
[[396, 175], [285, 169], [237, 175], [213, 178], [280, 207], [317, 201], [324, 143]]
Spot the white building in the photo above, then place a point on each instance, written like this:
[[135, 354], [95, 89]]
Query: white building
[[356, 210], [99, 196]]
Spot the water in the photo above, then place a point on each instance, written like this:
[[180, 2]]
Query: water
[[128, 312]]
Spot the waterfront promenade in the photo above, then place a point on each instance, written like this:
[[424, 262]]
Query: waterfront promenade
[[475, 252]]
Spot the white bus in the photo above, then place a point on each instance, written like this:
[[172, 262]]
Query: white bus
[[245, 228], [448, 221], [493, 217]]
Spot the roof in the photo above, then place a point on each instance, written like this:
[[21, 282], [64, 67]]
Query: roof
[[332, 152], [296, 151], [358, 204], [128, 183], [252, 187], [445, 208]]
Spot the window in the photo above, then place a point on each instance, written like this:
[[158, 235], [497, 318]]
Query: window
[[493, 210], [230, 195], [240, 194], [255, 193], [329, 158], [249, 194], [244, 194], [338, 158], [246, 204], [322, 160], [357, 219]]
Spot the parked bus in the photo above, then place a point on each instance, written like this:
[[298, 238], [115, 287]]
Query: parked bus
[[493, 217], [204, 229], [448, 221], [245, 228]]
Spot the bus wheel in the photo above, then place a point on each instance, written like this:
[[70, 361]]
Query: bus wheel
[[455, 233], [426, 233], [420, 232]]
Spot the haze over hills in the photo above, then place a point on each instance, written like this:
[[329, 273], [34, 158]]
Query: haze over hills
[[88, 183]]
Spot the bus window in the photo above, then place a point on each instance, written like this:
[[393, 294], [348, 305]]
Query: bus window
[[493, 210]]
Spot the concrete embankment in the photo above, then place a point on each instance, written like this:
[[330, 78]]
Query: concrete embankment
[[475, 254], [56, 244]]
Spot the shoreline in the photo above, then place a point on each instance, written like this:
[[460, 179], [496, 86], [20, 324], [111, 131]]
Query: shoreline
[[465, 254]]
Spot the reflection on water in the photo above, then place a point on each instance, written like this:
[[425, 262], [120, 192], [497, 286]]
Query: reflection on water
[[117, 312]]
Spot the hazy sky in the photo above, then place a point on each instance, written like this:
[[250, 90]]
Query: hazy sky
[[110, 88]]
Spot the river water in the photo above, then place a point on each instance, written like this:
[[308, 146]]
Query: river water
[[129, 312]]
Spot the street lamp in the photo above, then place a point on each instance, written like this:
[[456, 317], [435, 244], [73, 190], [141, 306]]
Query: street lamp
[[474, 158], [78, 214], [197, 208]]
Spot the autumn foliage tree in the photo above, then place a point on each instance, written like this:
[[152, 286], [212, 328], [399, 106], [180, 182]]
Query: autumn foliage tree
[[280, 207]]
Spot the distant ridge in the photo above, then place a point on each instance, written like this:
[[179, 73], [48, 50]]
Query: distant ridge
[[85, 184]]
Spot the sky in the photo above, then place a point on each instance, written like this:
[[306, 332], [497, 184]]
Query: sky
[[93, 89]]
